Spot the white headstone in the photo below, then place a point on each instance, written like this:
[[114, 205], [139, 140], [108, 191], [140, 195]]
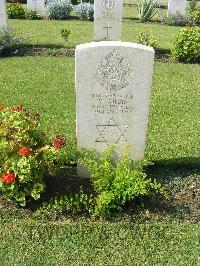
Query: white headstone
[[36, 5], [177, 7], [3, 15], [113, 83], [107, 20]]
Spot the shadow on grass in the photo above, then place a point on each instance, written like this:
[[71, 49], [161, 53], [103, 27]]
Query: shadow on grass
[[167, 169]]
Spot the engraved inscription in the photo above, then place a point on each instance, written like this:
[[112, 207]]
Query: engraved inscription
[[108, 8], [113, 71], [111, 133], [112, 103]]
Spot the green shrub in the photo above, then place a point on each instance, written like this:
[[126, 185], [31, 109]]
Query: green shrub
[[146, 10], [25, 155], [187, 45], [147, 39], [117, 182], [192, 5], [32, 15], [16, 11]]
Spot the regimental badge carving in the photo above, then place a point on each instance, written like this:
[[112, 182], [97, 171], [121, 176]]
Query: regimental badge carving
[[114, 71], [111, 133], [108, 8]]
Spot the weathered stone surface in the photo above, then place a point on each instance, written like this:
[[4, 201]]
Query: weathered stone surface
[[177, 7], [113, 85], [36, 5], [3, 15], [107, 20]]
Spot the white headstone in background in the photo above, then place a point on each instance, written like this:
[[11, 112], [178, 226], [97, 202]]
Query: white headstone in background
[[113, 83], [107, 20], [36, 5], [3, 15], [177, 7]]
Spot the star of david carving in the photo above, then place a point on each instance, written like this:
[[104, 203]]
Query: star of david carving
[[112, 133]]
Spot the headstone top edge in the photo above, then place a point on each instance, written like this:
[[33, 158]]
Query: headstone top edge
[[114, 44]]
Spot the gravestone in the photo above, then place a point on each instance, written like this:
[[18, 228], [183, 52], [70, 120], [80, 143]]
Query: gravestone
[[113, 83], [36, 5], [177, 7], [3, 15], [107, 20]]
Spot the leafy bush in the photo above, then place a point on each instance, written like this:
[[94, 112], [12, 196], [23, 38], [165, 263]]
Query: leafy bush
[[16, 11], [58, 9], [178, 20], [187, 45], [195, 15], [24, 154], [117, 182], [12, 42], [32, 15], [146, 10], [85, 11], [192, 4], [147, 39], [65, 34]]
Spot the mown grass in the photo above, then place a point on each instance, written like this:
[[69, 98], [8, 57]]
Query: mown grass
[[35, 243], [46, 84], [46, 33]]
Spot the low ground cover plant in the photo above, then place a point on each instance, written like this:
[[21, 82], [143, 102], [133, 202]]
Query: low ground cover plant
[[178, 20], [25, 154], [117, 182], [186, 45], [12, 42], [32, 15], [114, 183]]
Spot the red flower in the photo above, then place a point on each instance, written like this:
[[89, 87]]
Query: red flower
[[24, 151], [1, 107], [58, 142], [8, 178], [17, 108]]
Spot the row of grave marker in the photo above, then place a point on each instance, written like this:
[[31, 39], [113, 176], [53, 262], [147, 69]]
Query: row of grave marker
[[108, 15]]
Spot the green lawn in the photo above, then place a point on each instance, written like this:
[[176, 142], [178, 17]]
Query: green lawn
[[46, 85], [35, 243], [47, 33]]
